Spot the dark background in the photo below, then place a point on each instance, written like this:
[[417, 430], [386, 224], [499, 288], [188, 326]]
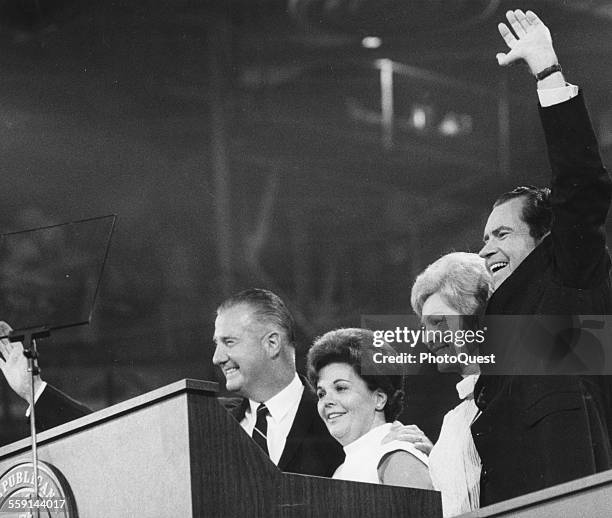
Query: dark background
[[240, 143]]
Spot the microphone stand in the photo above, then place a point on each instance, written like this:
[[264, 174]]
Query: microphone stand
[[28, 338]]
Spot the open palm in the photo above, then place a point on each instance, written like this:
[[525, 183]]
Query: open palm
[[530, 41]]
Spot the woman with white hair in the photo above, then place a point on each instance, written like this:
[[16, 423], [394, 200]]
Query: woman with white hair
[[451, 294]]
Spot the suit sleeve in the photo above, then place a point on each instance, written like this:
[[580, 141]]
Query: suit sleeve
[[54, 408], [581, 194]]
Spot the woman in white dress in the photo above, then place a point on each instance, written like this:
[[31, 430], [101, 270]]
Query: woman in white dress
[[358, 411], [452, 293]]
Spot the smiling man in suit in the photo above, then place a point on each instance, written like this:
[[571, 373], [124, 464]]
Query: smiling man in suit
[[255, 349], [546, 251]]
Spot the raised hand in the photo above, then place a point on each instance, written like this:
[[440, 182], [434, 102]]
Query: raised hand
[[410, 433], [14, 366], [530, 41]]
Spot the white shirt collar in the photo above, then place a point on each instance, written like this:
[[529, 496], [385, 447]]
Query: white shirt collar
[[279, 404], [465, 388]]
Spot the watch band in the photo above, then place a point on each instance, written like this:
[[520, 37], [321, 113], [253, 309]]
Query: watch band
[[548, 71]]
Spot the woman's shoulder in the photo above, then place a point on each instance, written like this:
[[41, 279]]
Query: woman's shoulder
[[400, 467], [404, 447]]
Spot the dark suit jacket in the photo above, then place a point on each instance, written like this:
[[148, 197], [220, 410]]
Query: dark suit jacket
[[538, 431], [54, 408], [310, 449]]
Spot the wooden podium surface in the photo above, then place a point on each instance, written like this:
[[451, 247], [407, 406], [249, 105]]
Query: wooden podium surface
[[176, 452]]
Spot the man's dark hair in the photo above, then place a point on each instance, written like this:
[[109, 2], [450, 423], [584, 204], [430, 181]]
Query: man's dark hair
[[537, 210], [266, 306]]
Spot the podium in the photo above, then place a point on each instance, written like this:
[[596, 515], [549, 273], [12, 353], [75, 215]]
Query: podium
[[176, 452]]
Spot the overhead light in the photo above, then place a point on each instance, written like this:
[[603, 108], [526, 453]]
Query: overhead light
[[421, 116], [371, 42], [453, 124]]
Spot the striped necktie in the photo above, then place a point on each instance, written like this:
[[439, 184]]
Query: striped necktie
[[260, 431]]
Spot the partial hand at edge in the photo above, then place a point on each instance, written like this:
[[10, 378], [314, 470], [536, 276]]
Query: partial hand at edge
[[14, 366]]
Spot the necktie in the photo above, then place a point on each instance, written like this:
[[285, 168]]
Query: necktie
[[261, 428]]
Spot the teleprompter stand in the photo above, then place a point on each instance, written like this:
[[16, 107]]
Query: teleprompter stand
[[28, 338]]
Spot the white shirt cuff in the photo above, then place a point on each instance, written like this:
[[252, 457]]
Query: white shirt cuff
[[37, 396], [552, 96]]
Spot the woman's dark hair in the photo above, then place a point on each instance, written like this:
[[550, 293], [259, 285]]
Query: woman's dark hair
[[355, 347]]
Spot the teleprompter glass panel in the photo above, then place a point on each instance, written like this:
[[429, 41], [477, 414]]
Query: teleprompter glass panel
[[49, 276]]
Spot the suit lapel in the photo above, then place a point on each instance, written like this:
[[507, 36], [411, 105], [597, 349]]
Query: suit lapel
[[301, 426]]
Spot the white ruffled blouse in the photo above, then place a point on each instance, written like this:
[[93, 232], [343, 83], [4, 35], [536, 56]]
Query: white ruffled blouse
[[454, 463]]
